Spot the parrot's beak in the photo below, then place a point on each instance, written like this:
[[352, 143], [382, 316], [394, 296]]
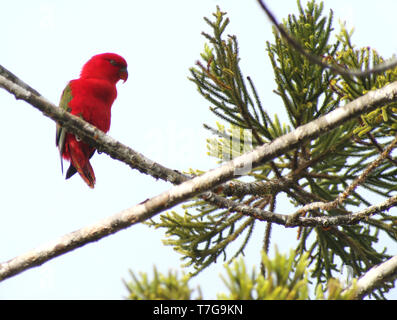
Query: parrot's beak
[[123, 73]]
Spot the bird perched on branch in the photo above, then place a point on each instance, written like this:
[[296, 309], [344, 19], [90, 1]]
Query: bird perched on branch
[[90, 97]]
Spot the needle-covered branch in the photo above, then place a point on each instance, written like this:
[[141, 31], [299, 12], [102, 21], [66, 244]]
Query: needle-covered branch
[[320, 60], [343, 196]]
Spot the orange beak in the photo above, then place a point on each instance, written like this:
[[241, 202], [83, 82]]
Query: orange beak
[[123, 73]]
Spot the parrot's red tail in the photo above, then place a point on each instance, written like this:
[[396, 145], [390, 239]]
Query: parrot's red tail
[[80, 161]]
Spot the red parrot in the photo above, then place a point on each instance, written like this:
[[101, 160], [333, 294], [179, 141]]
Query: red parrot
[[90, 97]]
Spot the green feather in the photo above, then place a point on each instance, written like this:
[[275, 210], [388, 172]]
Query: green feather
[[60, 131]]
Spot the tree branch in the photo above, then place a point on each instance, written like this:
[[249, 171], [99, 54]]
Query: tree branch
[[376, 277], [86, 131], [181, 192]]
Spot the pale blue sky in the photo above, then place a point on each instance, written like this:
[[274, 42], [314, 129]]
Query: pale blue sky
[[158, 113]]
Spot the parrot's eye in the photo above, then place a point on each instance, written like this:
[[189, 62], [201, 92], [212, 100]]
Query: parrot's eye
[[113, 62]]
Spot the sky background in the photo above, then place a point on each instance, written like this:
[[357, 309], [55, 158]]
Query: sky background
[[158, 113]]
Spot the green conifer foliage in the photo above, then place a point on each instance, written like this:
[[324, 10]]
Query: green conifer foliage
[[317, 170], [284, 277], [161, 287]]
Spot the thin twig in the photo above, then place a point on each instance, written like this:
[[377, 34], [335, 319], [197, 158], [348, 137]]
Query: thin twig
[[379, 147], [345, 219], [319, 60], [343, 196]]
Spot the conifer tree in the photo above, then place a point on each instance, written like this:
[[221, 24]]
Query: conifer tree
[[344, 171]]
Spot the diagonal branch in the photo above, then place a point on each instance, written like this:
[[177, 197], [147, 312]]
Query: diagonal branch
[[376, 277], [86, 131], [187, 188]]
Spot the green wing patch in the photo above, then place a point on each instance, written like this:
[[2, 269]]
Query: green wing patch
[[60, 131]]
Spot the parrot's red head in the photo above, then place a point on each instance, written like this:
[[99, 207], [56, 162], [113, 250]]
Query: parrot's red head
[[107, 66]]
